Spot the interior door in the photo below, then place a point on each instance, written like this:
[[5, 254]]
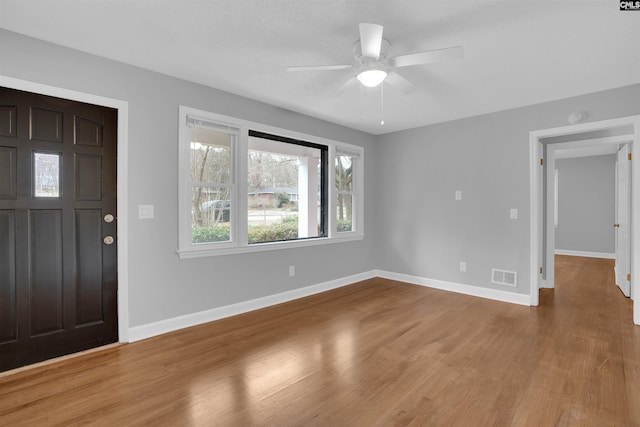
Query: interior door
[[623, 194], [58, 256], [540, 155]]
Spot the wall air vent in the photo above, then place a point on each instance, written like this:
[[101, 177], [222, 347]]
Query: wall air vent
[[503, 277]]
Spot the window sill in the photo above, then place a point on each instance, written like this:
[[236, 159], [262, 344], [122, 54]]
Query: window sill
[[263, 247]]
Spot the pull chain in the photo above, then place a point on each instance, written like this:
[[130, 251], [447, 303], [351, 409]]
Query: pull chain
[[362, 102], [382, 104]]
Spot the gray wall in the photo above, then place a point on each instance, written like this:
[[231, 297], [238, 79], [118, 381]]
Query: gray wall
[[426, 233], [162, 286], [586, 204], [412, 223]]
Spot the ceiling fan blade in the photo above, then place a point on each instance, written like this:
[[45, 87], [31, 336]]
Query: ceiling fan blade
[[371, 40], [348, 83], [400, 83], [318, 67], [428, 57]]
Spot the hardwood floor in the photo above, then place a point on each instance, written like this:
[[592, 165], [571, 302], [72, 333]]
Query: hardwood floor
[[374, 353]]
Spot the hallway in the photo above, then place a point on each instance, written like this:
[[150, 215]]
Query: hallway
[[590, 347]]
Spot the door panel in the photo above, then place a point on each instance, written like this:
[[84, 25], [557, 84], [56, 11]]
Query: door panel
[[88, 176], [45, 229], [623, 195], [8, 173], [87, 132], [58, 279], [88, 272], [45, 125], [8, 331], [542, 250], [8, 120]]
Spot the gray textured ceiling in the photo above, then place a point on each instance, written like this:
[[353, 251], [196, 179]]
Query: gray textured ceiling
[[516, 52]]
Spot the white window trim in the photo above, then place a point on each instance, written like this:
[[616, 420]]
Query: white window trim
[[238, 243]]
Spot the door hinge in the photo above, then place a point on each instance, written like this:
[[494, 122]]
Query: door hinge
[[541, 162], [629, 277], [629, 156], [540, 270]]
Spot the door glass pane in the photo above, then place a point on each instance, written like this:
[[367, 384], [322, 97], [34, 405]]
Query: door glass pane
[[46, 175]]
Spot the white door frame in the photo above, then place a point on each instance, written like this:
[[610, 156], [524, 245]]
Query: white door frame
[[536, 190], [123, 132]]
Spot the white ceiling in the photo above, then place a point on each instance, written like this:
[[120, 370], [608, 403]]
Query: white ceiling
[[517, 52]]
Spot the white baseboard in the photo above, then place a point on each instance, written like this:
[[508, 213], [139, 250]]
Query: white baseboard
[[585, 254], [476, 291], [149, 330]]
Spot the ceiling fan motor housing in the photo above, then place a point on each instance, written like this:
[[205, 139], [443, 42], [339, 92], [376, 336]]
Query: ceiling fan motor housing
[[357, 52]]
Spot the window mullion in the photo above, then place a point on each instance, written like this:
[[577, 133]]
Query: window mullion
[[240, 175]]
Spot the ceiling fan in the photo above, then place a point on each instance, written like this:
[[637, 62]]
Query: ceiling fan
[[372, 66]]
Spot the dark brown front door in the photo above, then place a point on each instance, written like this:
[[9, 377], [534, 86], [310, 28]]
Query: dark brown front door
[[58, 257]]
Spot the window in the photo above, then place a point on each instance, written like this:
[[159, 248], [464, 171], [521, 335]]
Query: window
[[345, 173], [246, 187], [46, 171], [286, 188], [211, 178]]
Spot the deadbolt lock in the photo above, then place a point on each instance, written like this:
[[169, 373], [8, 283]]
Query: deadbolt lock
[[108, 218]]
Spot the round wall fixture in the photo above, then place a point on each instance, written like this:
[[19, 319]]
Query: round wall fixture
[[576, 117]]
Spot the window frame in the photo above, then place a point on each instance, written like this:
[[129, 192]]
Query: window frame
[[186, 186], [238, 242], [323, 178]]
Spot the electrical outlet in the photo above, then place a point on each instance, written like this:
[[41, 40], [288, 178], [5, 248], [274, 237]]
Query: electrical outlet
[[145, 212], [513, 213], [463, 266], [292, 270], [458, 195]]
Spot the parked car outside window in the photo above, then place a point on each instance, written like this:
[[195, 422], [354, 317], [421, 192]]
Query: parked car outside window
[[217, 209]]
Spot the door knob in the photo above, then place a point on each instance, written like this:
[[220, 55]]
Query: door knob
[[108, 240], [616, 225], [108, 218]]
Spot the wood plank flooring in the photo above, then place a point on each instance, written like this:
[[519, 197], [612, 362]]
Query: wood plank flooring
[[376, 353]]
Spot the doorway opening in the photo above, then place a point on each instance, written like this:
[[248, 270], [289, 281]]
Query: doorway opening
[[608, 135]]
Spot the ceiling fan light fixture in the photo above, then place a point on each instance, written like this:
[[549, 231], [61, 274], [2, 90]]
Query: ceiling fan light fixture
[[372, 77]]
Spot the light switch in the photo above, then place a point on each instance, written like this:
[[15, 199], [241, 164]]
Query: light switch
[[513, 213], [458, 195], [145, 211]]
